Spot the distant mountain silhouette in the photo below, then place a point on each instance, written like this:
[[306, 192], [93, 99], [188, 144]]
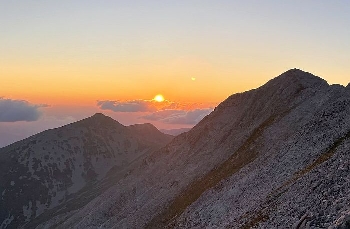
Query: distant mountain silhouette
[[272, 157], [175, 132]]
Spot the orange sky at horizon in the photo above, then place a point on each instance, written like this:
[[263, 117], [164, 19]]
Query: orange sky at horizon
[[82, 57], [128, 51], [55, 85]]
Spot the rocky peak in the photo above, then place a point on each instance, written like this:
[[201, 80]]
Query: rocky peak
[[297, 77], [275, 97], [69, 163], [101, 117], [101, 120]]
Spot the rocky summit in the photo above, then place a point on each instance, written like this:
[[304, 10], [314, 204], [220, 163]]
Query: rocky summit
[[62, 169], [273, 157]]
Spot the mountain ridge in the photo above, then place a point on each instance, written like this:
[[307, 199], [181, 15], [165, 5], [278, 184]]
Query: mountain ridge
[[59, 163], [272, 157], [270, 121]]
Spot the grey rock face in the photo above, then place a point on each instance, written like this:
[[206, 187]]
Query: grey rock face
[[50, 169], [296, 171]]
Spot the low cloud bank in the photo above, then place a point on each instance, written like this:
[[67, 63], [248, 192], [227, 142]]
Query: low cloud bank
[[190, 117], [128, 106], [136, 105], [19, 110], [166, 112]]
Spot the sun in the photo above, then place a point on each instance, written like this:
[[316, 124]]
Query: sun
[[159, 98]]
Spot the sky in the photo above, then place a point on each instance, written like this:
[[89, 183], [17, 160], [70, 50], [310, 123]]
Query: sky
[[61, 61]]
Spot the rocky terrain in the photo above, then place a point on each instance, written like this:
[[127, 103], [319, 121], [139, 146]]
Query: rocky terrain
[[274, 157], [62, 169]]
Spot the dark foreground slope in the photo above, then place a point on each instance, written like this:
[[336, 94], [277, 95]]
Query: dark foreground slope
[[262, 158], [62, 169]]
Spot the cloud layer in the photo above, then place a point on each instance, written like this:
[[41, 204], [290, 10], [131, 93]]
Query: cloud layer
[[18, 110], [166, 112], [128, 106], [190, 117], [136, 105]]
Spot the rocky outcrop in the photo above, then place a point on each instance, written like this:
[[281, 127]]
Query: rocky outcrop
[[45, 172], [296, 170]]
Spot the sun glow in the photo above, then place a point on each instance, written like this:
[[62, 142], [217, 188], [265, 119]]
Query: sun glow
[[159, 98]]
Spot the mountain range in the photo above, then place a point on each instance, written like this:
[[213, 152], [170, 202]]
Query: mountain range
[[273, 157], [65, 167]]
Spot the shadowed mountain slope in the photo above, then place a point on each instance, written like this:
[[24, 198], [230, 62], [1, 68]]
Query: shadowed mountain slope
[[243, 165], [48, 170], [149, 133]]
